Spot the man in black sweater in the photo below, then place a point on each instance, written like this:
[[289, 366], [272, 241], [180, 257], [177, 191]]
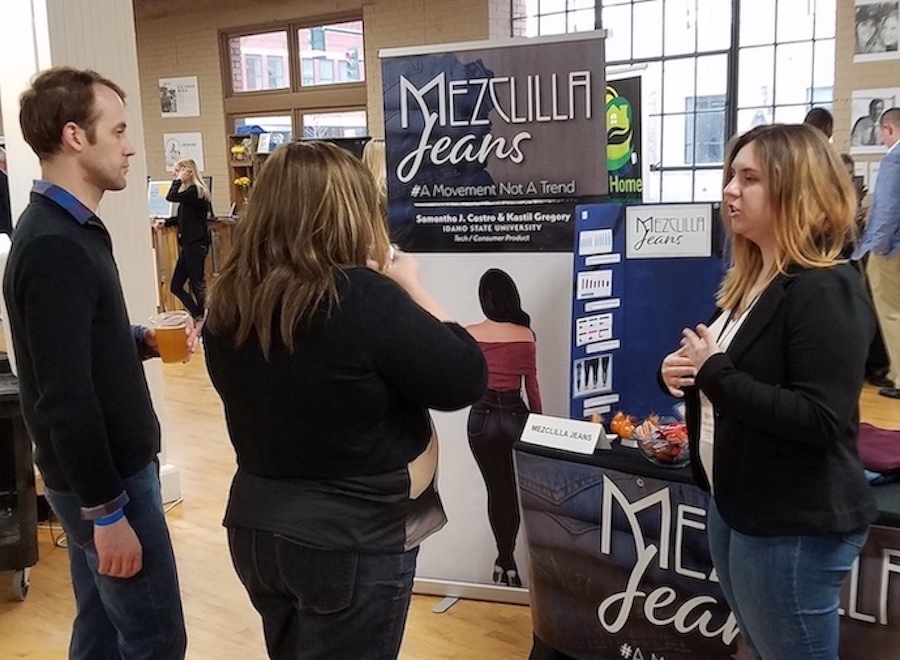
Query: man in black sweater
[[84, 395]]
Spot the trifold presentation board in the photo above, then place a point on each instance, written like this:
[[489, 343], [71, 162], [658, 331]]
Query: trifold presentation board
[[641, 274]]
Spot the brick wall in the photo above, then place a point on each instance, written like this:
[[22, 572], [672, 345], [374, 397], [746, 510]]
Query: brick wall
[[849, 76], [179, 39]]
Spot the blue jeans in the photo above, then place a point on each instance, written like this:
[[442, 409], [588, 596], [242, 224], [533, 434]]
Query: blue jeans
[[324, 604], [135, 618], [784, 590]]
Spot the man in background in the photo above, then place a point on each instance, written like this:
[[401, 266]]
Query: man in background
[[84, 395], [881, 242], [822, 119]]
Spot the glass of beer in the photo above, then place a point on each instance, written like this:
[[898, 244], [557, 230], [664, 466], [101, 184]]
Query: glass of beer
[[171, 335]]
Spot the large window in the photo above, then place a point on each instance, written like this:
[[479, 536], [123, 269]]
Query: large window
[[699, 86], [298, 79]]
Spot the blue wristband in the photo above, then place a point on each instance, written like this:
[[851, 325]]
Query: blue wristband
[[114, 517]]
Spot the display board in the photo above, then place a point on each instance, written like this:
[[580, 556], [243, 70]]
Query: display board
[[641, 274]]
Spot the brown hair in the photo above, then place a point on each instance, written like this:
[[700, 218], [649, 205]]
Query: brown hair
[[811, 199], [313, 213], [56, 97]]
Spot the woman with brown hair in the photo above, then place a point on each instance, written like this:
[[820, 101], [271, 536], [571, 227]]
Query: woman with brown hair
[[328, 352], [772, 388]]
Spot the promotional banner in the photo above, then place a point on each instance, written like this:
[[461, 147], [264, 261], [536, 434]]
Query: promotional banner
[[623, 139], [489, 145], [641, 274], [620, 562]]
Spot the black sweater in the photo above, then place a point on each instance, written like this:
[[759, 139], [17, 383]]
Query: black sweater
[[193, 212], [353, 397], [83, 392]]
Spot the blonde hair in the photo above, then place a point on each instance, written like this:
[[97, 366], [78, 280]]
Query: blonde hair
[[811, 200], [202, 189], [314, 213], [374, 158]]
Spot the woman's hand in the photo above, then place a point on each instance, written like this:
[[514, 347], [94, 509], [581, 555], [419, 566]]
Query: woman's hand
[[403, 268], [698, 345], [677, 372]]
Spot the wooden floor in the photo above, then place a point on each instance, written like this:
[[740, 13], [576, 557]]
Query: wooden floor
[[221, 623]]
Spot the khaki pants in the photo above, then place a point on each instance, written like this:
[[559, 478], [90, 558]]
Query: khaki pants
[[884, 278]]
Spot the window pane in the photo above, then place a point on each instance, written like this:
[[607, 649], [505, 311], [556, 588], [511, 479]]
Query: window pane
[[523, 8], [757, 22], [826, 17], [651, 129], [334, 48], [552, 24], [335, 124], [248, 54], [275, 70], [680, 27], [793, 73], [648, 20], [618, 21], [791, 114], [581, 4], [708, 186], [713, 25], [527, 27], [677, 186], [823, 64], [678, 83], [652, 185], [651, 88], [712, 75], [267, 124], [581, 20], [747, 119], [675, 132], [551, 6], [756, 70], [795, 20]]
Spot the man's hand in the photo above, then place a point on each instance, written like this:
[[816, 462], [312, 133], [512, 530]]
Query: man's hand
[[119, 550], [192, 337]]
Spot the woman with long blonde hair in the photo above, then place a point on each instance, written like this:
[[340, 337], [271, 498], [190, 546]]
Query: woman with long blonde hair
[[191, 194], [327, 352], [772, 386]]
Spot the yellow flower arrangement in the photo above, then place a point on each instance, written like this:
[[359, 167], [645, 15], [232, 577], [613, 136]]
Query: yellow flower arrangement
[[244, 183]]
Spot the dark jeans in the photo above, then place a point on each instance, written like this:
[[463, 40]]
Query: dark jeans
[[324, 604], [495, 424], [138, 618], [191, 268]]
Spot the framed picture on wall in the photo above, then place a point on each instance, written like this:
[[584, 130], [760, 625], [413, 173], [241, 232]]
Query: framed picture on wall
[[875, 24], [866, 108]]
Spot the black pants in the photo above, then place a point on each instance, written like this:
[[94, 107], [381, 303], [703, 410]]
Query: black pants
[[877, 363], [495, 423], [191, 268]]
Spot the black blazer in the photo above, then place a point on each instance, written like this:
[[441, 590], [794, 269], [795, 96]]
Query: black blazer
[[786, 399]]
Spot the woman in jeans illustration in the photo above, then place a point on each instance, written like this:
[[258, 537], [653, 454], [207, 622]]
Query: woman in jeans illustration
[[497, 419]]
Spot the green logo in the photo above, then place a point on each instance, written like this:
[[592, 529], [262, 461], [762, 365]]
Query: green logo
[[619, 134]]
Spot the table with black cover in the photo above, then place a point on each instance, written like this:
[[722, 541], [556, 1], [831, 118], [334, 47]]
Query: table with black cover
[[620, 567], [18, 502]]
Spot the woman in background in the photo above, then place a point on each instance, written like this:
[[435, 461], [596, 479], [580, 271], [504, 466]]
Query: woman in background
[[327, 354], [772, 389], [189, 191], [496, 421]]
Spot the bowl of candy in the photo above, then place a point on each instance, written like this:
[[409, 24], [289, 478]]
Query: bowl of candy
[[663, 442]]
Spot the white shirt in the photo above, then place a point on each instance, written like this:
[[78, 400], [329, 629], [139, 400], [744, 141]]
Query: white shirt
[[724, 328]]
